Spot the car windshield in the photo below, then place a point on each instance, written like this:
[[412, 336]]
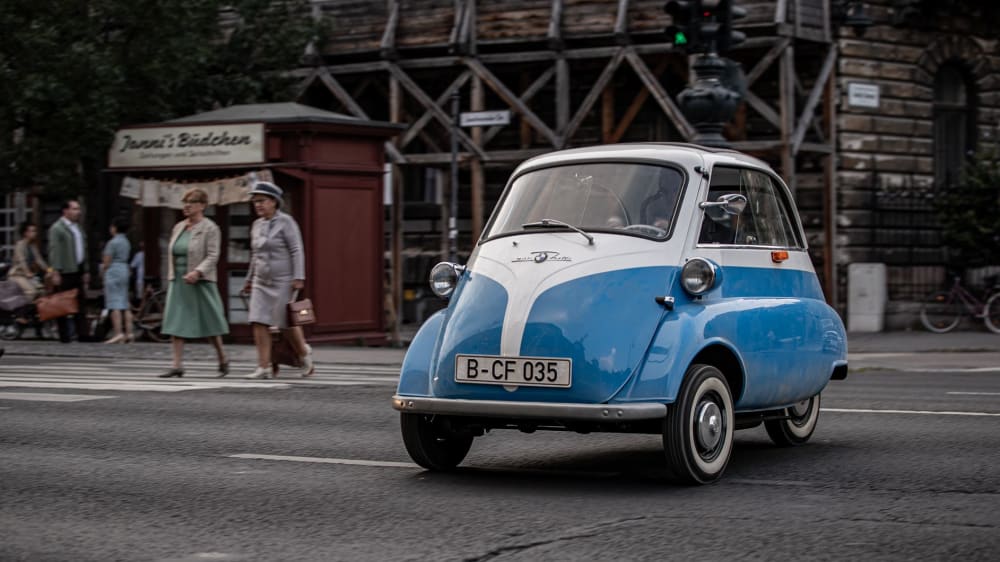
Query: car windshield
[[627, 198]]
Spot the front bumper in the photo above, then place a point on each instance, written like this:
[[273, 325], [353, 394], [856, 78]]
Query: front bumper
[[531, 410]]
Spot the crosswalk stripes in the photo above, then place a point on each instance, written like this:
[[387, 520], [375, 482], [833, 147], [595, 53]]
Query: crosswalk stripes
[[140, 376]]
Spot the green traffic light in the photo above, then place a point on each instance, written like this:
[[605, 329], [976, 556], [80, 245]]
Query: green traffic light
[[680, 38]]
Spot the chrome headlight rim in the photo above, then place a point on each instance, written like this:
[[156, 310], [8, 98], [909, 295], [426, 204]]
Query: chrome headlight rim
[[698, 276], [444, 278]]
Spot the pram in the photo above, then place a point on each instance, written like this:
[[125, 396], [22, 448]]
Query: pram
[[18, 312]]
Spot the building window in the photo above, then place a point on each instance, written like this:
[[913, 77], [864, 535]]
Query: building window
[[954, 123]]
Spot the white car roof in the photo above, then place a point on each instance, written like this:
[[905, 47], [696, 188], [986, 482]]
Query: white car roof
[[682, 153]]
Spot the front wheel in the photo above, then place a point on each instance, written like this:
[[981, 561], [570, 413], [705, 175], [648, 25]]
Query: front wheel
[[698, 430], [991, 314], [150, 317], [432, 442], [798, 426], [941, 312]]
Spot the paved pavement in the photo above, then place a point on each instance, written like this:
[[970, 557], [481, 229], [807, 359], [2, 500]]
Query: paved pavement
[[913, 350]]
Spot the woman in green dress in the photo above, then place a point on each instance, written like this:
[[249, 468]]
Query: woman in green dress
[[194, 307]]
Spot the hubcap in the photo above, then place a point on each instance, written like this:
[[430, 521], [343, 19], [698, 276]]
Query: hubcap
[[709, 425], [800, 409]]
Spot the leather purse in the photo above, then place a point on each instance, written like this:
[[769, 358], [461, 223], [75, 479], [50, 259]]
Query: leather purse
[[58, 305], [300, 312]]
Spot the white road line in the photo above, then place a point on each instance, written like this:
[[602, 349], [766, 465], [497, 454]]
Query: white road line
[[919, 412], [126, 386], [322, 460], [43, 397], [974, 393]]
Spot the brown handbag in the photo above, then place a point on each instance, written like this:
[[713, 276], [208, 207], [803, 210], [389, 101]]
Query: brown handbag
[[58, 305], [300, 312]]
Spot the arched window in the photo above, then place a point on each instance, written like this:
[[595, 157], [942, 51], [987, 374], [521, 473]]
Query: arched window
[[954, 122]]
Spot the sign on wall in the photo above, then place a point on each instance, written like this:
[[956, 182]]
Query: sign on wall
[[862, 95], [191, 145], [484, 118]]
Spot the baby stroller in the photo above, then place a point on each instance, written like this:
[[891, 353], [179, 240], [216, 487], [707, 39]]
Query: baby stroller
[[17, 313]]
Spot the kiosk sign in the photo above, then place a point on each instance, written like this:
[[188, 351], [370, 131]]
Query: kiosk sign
[[184, 146]]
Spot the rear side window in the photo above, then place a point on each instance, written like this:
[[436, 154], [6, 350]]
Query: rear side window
[[766, 220]]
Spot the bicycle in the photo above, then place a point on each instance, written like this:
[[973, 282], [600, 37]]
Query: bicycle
[[943, 310], [148, 314]]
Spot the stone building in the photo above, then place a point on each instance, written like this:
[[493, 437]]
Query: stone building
[[865, 122]]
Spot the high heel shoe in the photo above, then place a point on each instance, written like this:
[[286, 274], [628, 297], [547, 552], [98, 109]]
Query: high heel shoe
[[129, 338], [120, 338], [260, 373], [223, 369], [176, 372]]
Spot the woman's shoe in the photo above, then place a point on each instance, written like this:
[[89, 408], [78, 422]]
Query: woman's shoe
[[120, 338], [260, 373], [308, 368], [223, 369], [129, 338], [172, 373]]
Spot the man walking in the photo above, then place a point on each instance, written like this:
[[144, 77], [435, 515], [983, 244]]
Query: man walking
[[68, 256]]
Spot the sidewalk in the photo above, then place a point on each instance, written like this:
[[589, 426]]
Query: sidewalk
[[896, 350]]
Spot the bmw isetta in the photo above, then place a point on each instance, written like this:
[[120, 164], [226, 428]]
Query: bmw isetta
[[651, 288]]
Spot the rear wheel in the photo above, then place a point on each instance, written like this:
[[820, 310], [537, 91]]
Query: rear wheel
[[698, 430], [799, 425], [941, 312], [432, 442], [992, 313], [150, 317]]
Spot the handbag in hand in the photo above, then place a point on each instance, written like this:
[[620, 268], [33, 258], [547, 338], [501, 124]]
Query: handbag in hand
[[58, 305], [300, 312]]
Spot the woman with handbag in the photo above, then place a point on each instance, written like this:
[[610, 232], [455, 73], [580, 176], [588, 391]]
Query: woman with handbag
[[277, 274], [194, 307], [114, 269]]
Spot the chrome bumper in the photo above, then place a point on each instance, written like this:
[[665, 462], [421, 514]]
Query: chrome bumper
[[531, 410]]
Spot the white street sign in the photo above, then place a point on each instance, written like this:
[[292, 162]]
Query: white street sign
[[863, 95], [484, 118]]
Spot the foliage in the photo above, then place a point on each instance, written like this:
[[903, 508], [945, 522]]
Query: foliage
[[970, 212], [73, 72]]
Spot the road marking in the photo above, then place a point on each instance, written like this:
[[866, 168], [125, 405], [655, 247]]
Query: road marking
[[920, 412], [974, 393], [322, 460], [132, 386], [44, 397]]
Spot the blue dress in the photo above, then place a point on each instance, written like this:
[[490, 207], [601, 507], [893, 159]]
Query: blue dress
[[116, 276]]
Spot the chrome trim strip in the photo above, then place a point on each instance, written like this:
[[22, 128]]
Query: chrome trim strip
[[531, 410]]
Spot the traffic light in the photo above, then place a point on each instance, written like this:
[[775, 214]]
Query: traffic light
[[683, 29], [727, 36]]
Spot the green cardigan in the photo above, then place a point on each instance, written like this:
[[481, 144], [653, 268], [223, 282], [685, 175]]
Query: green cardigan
[[62, 250]]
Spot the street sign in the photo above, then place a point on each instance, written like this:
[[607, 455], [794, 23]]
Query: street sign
[[863, 95], [484, 118]]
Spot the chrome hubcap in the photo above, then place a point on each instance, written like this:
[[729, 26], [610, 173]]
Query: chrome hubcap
[[800, 409], [709, 425]]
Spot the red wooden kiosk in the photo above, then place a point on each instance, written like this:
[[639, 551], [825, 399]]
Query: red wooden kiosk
[[331, 167]]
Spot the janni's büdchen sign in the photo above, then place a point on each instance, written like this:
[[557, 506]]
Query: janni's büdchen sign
[[193, 145]]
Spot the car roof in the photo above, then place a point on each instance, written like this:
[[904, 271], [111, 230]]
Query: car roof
[[683, 152]]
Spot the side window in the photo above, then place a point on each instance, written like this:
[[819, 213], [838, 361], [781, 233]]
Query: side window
[[766, 220]]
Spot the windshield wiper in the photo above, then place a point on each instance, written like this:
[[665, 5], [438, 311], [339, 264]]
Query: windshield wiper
[[549, 223]]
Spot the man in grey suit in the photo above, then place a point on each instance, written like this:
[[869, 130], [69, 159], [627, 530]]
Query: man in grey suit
[[68, 256]]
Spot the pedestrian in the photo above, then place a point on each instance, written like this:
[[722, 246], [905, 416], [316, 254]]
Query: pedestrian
[[68, 256], [194, 307], [114, 269], [28, 268], [277, 268], [138, 267]]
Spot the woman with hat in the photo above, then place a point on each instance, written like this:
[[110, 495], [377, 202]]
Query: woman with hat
[[194, 307], [277, 268]]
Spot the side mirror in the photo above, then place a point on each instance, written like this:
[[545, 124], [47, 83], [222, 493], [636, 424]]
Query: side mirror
[[726, 206]]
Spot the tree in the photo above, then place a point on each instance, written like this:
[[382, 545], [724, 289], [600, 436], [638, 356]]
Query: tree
[[73, 72], [970, 213]]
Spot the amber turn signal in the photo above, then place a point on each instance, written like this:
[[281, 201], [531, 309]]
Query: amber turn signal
[[779, 256]]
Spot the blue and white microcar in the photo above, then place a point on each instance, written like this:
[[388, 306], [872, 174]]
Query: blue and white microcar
[[650, 288]]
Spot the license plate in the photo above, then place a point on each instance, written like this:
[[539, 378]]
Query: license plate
[[519, 371]]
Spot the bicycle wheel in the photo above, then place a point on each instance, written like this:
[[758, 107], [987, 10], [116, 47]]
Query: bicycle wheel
[[941, 312], [150, 317], [991, 313]]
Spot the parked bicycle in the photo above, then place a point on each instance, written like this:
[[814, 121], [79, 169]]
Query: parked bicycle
[[943, 310], [148, 313]]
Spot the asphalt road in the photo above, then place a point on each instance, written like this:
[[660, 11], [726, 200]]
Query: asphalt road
[[317, 471]]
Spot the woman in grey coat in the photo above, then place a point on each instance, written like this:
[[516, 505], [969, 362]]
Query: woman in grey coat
[[277, 268]]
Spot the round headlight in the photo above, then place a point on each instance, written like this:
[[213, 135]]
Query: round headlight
[[443, 278], [698, 276]]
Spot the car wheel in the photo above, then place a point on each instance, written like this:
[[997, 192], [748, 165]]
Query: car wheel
[[698, 430], [798, 427], [431, 443]]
